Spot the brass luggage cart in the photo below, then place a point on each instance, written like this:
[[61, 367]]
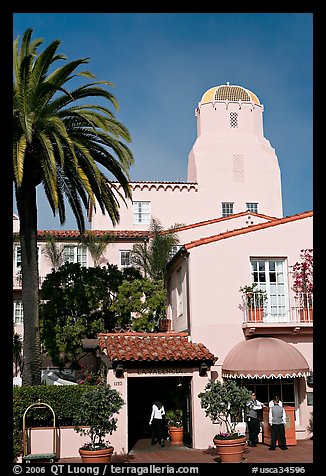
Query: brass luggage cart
[[37, 457]]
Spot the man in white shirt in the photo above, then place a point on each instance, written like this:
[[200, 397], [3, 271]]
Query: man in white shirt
[[253, 420], [277, 420], [271, 403]]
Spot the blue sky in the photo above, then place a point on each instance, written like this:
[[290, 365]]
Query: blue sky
[[162, 63]]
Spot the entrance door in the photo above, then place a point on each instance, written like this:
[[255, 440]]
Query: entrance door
[[173, 392], [187, 421]]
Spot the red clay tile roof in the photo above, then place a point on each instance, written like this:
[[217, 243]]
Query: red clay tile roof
[[62, 234], [220, 219], [248, 229], [137, 346]]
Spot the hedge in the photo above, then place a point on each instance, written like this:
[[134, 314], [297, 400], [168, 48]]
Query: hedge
[[64, 399]]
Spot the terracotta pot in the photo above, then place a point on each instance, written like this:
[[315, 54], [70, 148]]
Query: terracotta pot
[[306, 315], [176, 435], [98, 456], [256, 314], [230, 451]]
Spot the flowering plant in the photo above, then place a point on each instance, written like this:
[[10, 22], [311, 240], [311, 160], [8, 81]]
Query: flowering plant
[[90, 377], [302, 274], [99, 446], [174, 418], [228, 436]]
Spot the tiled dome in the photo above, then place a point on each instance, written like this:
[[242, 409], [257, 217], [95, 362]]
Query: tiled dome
[[230, 93]]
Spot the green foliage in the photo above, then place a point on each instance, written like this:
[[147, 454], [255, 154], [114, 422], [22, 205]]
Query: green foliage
[[17, 351], [78, 304], [140, 303], [97, 409], [310, 427], [225, 402], [174, 418], [53, 251], [63, 399], [60, 140], [152, 257], [68, 145], [88, 376], [255, 297], [96, 245]]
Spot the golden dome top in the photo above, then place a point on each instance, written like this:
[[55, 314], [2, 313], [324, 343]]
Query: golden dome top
[[228, 92]]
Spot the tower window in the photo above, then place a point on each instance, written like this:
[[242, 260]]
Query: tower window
[[142, 212], [233, 119], [227, 209], [252, 207]]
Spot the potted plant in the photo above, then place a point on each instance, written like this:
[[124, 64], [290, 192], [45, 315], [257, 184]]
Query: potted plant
[[96, 412], [226, 403], [302, 275], [254, 299], [174, 423], [310, 427]]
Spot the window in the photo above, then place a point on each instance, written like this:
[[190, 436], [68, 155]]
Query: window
[[227, 209], [252, 207], [142, 213], [179, 293], [174, 250], [125, 259], [233, 119], [18, 259], [270, 276], [75, 254], [266, 389], [18, 312]]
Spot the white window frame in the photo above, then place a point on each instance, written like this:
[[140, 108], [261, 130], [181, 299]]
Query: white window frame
[[141, 212], [18, 259], [18, 312], [179, 289], [277, 308], [252, 207], [128, 252], [174, 250], [79, 254], [227, 209]]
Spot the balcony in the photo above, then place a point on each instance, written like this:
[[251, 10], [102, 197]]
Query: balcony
[[17, 281], [277, 318]]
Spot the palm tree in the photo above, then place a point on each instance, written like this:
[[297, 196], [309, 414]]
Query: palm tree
[[65, 146], [17, 352], [53, 251], [96, 245], [153, 255]]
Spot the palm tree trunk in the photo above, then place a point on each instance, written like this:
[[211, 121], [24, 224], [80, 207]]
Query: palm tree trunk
[[26, 203]]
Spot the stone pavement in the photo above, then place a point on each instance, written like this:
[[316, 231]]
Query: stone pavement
[[143, 452]]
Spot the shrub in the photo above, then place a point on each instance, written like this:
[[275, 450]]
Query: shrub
[[63, 400]]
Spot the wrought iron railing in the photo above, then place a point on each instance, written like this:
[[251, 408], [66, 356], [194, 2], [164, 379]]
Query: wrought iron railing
[[300, 312]]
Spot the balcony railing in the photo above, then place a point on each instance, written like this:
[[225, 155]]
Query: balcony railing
[[300, 312], [17, 281]]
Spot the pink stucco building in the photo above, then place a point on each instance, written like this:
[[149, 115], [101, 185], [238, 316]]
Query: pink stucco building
[[233, 234]]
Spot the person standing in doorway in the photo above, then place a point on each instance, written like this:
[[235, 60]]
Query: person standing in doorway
[[157, 423], [271, 403], [252, 419], [277, 420]]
